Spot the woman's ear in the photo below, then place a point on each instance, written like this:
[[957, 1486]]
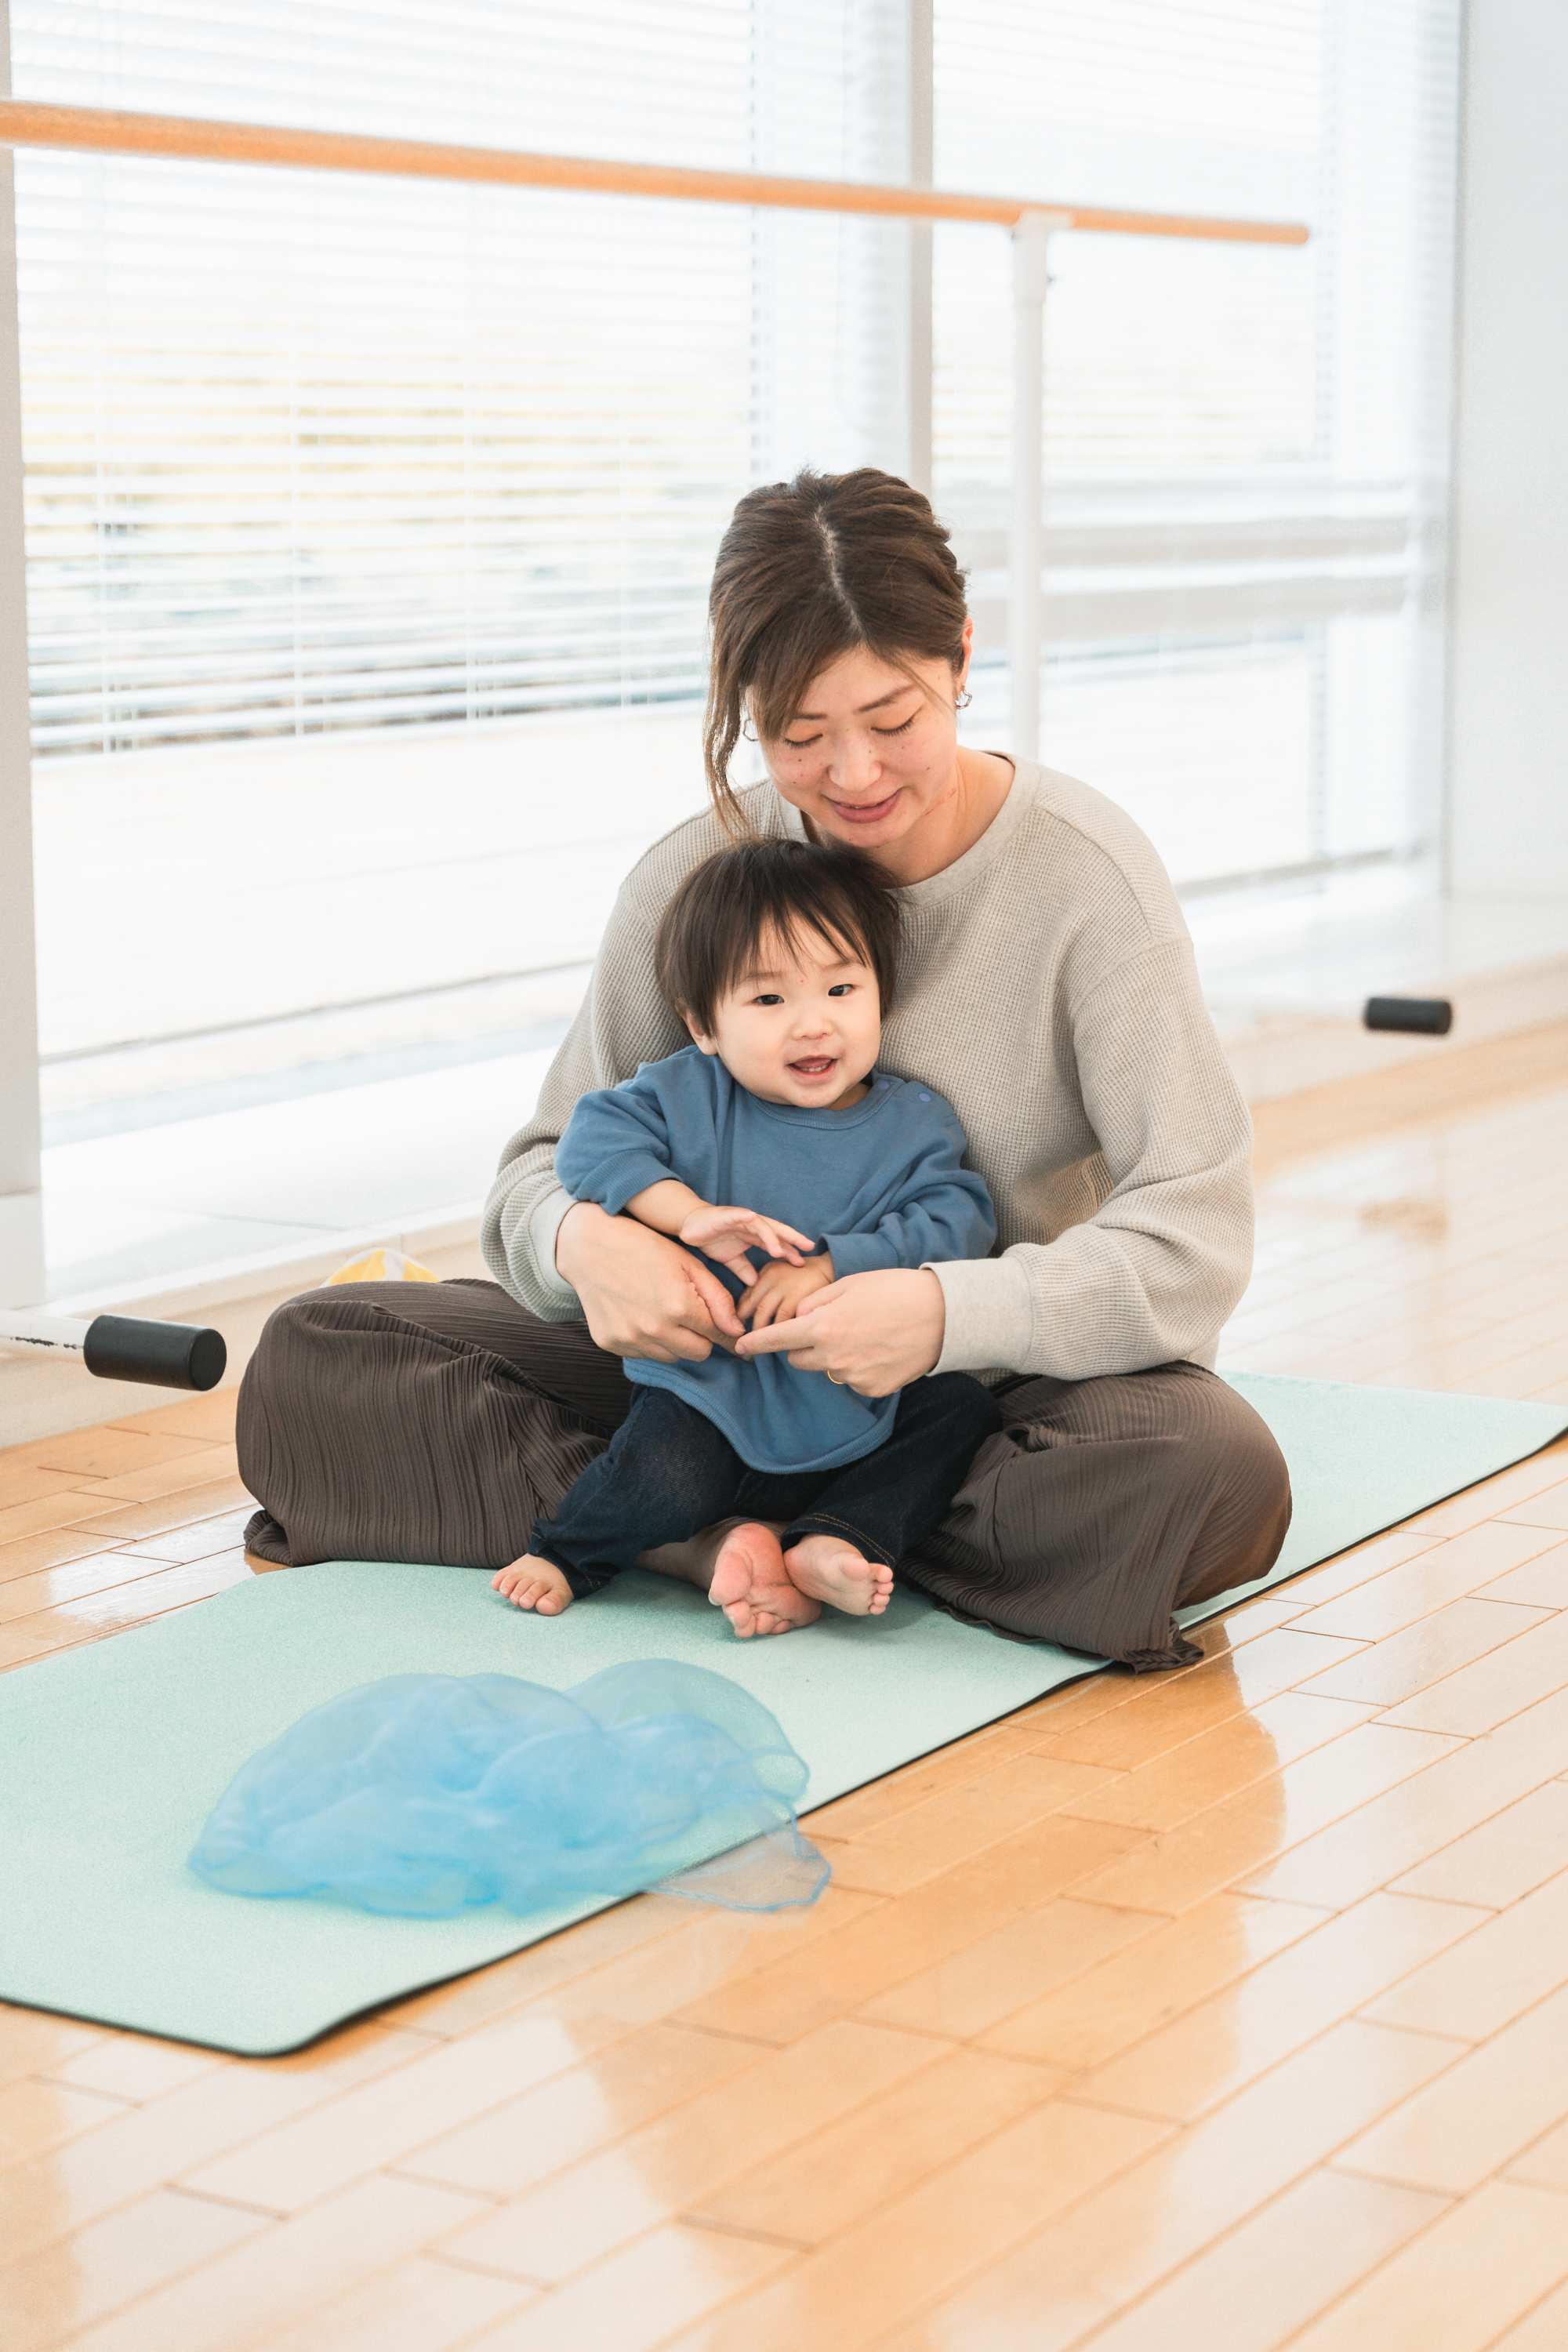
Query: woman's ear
[[961, 675]]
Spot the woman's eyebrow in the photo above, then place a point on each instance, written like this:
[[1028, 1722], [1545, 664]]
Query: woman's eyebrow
[[862, 709]]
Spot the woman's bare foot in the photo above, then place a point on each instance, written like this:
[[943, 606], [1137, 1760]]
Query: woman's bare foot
[[536, 1584], [751, 1585], [826, 1568]]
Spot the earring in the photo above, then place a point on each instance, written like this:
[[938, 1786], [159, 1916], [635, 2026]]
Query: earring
[[964, 699], [748, 731]]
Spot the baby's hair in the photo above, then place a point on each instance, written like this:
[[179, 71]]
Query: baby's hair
[[735, 899]]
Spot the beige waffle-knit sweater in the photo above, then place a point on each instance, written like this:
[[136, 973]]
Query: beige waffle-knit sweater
[[1046, 987]]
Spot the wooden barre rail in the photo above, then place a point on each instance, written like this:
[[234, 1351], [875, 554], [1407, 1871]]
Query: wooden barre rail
[[98, 130]]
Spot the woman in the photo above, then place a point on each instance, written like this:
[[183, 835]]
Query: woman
[[1047, 988]]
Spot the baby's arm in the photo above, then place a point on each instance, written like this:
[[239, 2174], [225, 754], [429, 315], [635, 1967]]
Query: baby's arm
[[616, 1151], [942, 1210], [723, 1235]]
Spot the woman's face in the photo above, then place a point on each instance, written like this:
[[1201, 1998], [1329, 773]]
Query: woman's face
[[869, 753]]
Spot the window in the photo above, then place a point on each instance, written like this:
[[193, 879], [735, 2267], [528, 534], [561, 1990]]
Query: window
[[1246, 445], [370, 520]]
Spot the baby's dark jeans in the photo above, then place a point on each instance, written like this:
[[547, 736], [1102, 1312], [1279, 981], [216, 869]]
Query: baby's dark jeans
[[670, 1472]]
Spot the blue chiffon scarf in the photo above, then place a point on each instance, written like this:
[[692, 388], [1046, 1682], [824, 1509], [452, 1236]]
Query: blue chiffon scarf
[[427, 1795]]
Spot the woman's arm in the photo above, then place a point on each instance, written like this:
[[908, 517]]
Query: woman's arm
[[1154, 1272], [871, 1332], [622, 1021], [641, 1294]]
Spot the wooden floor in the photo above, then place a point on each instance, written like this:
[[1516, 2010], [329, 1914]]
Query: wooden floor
[[1223, 2010]]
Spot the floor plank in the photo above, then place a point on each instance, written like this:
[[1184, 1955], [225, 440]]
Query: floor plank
[[1225, 2005]]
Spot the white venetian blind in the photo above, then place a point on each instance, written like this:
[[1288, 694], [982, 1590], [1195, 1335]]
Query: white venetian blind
[[309, 450], [1245, 445], [318, 463], [370, 522]]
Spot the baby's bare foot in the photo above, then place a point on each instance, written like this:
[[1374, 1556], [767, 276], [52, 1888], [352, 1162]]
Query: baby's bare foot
[[536, 1584], [751, 1585], [826, 1568]]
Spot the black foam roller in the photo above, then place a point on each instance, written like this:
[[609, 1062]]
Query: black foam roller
[[1422, 1016], [164, 1355]]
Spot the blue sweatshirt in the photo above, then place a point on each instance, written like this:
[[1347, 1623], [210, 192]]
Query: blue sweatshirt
[[880, 1184]]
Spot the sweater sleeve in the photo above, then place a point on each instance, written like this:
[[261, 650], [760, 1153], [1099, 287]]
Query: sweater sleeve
[[942, 1210], [622, 1023], [615, 1145], [1165, 1258]]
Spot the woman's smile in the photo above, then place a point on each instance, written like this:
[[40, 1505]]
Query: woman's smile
[[864, 812]]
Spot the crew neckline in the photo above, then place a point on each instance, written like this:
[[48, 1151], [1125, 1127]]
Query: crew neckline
[[881, 1091], [975, 861]]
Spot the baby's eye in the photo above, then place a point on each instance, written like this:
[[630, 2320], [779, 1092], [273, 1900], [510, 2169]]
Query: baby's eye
[[767, 1000], [841, 988]]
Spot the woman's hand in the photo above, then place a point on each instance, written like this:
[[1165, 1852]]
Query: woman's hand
[[873, 1332], [643, 1294]]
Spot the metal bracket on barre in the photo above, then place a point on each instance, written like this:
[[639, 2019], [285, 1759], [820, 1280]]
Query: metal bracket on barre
[[1032, 234]]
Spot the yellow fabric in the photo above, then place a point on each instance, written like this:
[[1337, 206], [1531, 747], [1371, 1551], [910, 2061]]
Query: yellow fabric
[[382, 1266]]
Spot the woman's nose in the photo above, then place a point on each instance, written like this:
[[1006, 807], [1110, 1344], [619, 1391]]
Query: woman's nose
[[854, 766]]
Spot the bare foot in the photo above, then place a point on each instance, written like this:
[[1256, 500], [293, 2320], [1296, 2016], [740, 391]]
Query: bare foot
[[826, 1568], [694, 1560], [536, 1584], [751, 1585]]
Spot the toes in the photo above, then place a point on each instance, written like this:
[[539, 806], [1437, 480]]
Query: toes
[[732, 1580]]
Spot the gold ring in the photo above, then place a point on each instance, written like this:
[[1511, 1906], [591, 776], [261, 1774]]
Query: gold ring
[[835, 1378]]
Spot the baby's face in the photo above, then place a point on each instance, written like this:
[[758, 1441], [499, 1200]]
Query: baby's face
[[804, 1027]]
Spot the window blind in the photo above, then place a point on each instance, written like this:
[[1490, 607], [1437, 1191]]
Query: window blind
[[311, 456], [369, 523], [1245, 447]]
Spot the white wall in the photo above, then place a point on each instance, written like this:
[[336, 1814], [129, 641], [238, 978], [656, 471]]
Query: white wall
[[21, 1201], [1509, 722]]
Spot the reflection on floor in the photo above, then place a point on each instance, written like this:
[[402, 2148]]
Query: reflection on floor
[[1226, 2009]]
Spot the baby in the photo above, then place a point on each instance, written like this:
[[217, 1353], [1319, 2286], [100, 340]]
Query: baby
[[780, 958]]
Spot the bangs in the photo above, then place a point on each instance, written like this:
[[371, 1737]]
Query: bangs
[[778, 894]]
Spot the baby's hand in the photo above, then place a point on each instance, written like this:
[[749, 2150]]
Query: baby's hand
[[776, 1294], [726, 1234]]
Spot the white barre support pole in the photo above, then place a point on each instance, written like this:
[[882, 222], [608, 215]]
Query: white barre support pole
[[1031, 280]]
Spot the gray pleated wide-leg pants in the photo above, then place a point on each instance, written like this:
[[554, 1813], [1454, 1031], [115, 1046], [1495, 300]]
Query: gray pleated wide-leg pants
[[408, 1421]]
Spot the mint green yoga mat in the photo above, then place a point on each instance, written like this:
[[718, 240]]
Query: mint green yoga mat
[[111, 1757]]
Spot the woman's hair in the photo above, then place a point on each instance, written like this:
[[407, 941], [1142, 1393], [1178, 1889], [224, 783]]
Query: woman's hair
[[809, 569], [740, 899]]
